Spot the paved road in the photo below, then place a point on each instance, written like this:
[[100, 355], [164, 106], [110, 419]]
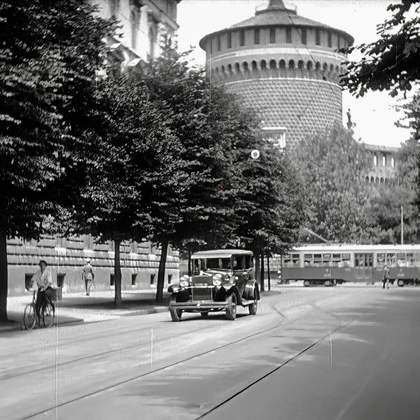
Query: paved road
[[341, 353]]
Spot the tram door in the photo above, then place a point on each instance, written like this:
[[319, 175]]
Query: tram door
[[363, 267]]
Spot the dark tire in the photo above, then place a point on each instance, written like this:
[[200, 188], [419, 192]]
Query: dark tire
[[204, 314], [29, 317], [306, 283], [253, 308], [48, 316], [401, 283], [176, 314], [327, 283], [231, 308]]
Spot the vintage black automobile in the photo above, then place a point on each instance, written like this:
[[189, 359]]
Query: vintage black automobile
[[222, 279]]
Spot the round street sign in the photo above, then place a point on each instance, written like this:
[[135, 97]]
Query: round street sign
[[255, 154]]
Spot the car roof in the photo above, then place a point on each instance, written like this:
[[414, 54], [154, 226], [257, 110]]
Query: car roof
[[220, 253]]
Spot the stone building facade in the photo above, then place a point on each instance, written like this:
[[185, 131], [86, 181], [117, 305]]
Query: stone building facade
[[143, 23], [384, 164], [283, 65]]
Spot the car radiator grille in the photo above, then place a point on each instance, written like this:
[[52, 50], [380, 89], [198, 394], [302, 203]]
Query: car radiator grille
[[201, 293]]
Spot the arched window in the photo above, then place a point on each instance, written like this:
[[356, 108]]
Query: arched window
[[237, 68], [377, 180], [325, 67], [245, 66], [272, 35], [152, 40], [282, 64], [337, 69], [372, 179], [332, 68], [318, 66], [273, 64], [309, 65], [254, 65], [223, 69], [229, 68], [382, 180], [367, 180], [242, 38], [301, 65], [135, 24], [229, 39], [263, 64], [291, 64]]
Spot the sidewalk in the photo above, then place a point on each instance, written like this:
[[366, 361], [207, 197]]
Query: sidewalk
[[77, 307]]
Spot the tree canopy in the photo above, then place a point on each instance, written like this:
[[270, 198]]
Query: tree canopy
[[391, 62], [50, 53]]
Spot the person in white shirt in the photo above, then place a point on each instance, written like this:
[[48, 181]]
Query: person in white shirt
[[43, 280], [88, 275]]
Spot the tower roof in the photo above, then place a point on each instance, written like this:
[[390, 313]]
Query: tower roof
[[277, 14]]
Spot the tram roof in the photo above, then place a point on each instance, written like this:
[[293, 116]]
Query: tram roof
[[220, 253], [357, 248]]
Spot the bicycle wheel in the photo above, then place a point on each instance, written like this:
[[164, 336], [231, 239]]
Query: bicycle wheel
[[48, 316], [29, 317]]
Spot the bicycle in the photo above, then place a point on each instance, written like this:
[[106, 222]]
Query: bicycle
[[47, 314]]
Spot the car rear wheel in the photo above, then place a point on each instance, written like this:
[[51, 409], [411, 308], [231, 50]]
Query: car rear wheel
[[204, 314], [401, 283], [306, 283], [176, 314], [231, 308], [254, 306]]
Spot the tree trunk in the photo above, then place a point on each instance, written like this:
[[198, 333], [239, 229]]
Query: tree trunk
[[117, 272], [189, 262], [268, 272], [262, 272], [257, 268], [3, 276], [161, 272]]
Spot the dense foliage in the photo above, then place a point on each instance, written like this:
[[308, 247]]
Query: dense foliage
[[50, 53], [391, 62]]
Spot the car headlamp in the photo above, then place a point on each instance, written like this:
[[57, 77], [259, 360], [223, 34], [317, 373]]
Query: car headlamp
[[217, 280], [184, 281]]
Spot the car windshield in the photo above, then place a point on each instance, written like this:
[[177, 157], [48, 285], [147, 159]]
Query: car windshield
[[218, 264]]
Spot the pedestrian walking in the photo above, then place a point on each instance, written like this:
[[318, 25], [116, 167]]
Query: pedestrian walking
[[385, 281], [88, 276]]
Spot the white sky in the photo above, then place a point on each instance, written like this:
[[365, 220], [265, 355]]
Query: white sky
[[374, 114]]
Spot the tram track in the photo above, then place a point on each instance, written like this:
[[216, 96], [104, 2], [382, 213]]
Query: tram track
[[283, 320], [294, 357], [127, 348]]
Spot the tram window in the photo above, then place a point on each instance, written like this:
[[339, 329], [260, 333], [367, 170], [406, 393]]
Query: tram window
[[336, 262], [308, 259], [410, 259], [326, 259], [391, 259], [363, 260], [286, 261], [295, 260], [401, 259], [346, 260], [317, 259], [380, 259]]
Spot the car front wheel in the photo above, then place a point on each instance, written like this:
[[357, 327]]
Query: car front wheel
[[254, 306], [231, 308], [176, 314]]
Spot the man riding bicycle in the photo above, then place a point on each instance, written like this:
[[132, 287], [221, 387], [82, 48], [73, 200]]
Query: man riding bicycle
[[43, 280]]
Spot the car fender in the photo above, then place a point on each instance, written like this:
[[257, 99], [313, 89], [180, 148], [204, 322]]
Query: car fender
[[251, 289]]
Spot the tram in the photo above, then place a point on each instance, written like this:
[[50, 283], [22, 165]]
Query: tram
[[336, 264]]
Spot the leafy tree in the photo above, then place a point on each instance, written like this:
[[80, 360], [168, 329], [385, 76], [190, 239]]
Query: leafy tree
[[391, 62], [137, 168], [187, 100], [386, 200], [50, 53], [332, 165]]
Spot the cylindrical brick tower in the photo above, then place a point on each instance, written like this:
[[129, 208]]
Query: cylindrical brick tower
[[284, 66]]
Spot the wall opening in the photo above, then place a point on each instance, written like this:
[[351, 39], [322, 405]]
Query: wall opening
[[134, 279], [112, 279], [152, 279], [169, 278], [60, 279], [273, 64]]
